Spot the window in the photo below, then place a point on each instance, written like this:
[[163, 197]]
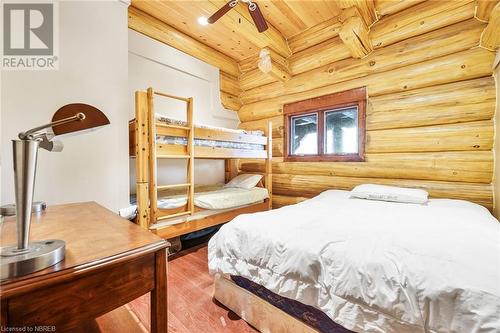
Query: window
[[326, 128], [304, 134], [341, 131]]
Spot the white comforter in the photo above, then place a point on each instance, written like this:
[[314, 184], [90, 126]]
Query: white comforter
[[373, 266]]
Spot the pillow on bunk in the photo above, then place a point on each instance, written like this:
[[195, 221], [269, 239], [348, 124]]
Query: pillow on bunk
[[246, 181], [390, 193]]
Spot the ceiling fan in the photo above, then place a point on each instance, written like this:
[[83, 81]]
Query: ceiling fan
[[253, 8]]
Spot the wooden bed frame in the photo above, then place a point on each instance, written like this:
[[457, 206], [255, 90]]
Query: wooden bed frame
[[143, 146], [254, 310]]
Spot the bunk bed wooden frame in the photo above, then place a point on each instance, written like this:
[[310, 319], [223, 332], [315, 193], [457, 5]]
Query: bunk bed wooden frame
[[143, 146]]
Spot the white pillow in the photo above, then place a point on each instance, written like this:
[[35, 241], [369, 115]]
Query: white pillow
[[246, 181], [390, 193]]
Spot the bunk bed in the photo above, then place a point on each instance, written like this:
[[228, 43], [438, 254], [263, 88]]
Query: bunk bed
[[153, 137]]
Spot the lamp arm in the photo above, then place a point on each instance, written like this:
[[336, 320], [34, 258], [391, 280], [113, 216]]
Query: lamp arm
[[31, 134]]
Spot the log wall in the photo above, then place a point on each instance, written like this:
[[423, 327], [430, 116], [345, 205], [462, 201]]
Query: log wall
[[431, 103], [496, 172]]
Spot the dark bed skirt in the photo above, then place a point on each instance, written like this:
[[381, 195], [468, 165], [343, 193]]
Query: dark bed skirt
[[305, 313]]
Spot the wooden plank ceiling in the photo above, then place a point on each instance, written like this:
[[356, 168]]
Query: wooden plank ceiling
[[235, 35]]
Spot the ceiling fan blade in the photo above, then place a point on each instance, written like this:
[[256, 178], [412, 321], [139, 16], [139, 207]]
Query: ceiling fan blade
[[257, 17], [223, 10]]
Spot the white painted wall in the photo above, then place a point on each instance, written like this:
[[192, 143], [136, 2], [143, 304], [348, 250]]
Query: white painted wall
[[154, 64], [93, 69]]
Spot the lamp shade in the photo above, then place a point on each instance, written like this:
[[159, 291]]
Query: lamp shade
[[93, 118]]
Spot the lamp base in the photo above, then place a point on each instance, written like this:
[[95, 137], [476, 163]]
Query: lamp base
[[39, 255]]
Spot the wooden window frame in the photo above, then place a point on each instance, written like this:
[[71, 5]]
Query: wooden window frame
[[321, 105]]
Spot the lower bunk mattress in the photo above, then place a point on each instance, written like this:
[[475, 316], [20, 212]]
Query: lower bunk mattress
[[210, 197]]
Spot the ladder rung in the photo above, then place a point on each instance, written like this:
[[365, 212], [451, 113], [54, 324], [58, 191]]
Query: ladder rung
[[173, 156], [165, 217], [163, 187], [173, 126], [171, 96]]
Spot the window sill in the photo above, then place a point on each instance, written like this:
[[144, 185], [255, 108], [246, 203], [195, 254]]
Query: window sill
[[324, 158]]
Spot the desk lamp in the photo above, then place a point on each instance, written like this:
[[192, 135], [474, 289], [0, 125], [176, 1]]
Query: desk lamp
[[27, 257]]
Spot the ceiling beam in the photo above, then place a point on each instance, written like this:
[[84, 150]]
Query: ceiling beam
[[490, 38], [484, 8], [419, 19], [445, 12], [315, 35], [388, 7], [331, 27], [354, 33], [318, 55], [159, 30], [366, 9], [239, 19], [321, 44]]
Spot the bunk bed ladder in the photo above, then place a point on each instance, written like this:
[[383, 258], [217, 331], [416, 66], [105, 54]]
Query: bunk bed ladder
[[142, 158], [153, 187], [153, 195], [190, 152], [268, 179]]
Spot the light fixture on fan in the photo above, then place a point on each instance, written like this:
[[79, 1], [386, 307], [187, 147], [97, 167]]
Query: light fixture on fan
[[202, 20], [253, 8]]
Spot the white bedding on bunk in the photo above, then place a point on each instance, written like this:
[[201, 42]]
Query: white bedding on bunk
[[166, 119], [217, 198], [229, 197], [373, 266]]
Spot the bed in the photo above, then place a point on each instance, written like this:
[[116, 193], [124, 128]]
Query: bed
[[369, 266], [153, 136]]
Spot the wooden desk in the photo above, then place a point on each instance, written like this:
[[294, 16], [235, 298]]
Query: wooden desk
[[109, 262]]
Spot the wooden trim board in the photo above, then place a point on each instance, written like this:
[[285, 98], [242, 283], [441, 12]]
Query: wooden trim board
[[182, 228]]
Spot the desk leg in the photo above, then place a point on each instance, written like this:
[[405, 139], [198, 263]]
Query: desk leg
[[159, 294], [4, 314]]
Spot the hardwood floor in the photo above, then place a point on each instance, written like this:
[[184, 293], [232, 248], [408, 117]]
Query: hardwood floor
[[191, 308], [121, 320]]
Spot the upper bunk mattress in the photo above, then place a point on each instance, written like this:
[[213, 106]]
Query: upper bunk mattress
[[172, 121], [176, 140], [373, 266]]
